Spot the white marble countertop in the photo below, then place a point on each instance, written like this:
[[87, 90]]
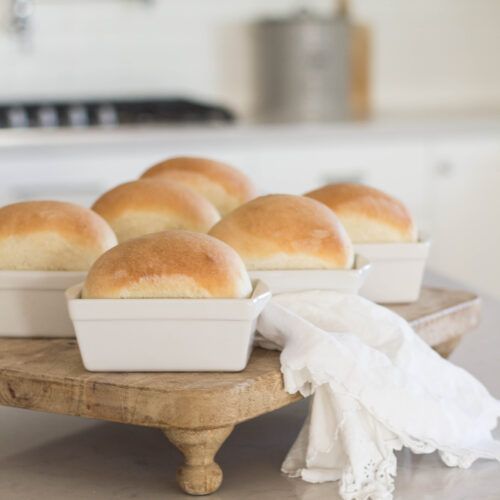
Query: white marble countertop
[[414, 127], [54, 457]]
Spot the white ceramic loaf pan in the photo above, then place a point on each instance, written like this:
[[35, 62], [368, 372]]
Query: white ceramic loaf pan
[[156, 335], [300, 280], [397, 270], [32, 303]]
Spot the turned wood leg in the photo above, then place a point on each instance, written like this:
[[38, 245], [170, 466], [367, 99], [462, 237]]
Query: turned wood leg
[[199, 475]]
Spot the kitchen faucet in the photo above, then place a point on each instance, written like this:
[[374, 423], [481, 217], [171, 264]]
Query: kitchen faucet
[[20, 15]]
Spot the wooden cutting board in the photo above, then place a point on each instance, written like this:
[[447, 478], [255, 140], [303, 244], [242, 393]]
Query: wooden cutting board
[[361, 54], [196, 411], [360, 62]]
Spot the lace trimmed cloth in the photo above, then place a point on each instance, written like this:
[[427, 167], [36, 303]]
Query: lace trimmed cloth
[[377, 387]]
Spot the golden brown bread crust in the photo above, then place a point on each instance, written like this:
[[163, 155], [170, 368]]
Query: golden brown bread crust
[[174, 263], [77, 224], [368, 214], [75, 234], [178, 206], [286, 231], [234, 183]]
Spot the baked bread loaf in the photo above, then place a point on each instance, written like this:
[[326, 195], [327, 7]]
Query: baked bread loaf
[[150, 206], [175, 263], [51, 236], [286, 232], [226, 187], [369, 215]]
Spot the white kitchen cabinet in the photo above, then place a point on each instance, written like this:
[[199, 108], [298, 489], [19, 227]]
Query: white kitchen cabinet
[[465, 203], [292, 162]]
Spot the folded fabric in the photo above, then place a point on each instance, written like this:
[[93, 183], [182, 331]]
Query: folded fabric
[[377, 387]]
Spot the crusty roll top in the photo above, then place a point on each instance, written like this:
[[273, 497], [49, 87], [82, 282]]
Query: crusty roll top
[[51, 235], [148, 206], [224, 186], [286, 232], [369, 215], [174, 263]]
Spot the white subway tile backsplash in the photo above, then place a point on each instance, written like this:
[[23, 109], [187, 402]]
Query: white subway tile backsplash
[[431, 53]]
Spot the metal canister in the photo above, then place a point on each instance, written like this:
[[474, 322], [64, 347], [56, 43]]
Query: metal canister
[[303, 68]]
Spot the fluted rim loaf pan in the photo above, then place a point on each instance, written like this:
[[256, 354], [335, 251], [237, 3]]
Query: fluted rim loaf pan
[[32, 303], [161, 335], [397, 270], [300, 280]]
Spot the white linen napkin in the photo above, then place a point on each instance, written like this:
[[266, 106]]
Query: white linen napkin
[[377, 387]]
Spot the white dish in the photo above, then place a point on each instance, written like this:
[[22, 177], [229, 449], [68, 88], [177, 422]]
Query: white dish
[[299, 280], [32, 303], [154, 335], [397, 270]]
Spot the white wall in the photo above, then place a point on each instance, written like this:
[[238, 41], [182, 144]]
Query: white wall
[[465, 200], [430, 54], [435, 54]]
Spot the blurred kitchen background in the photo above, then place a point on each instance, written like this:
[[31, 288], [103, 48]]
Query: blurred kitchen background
[[402, 95]]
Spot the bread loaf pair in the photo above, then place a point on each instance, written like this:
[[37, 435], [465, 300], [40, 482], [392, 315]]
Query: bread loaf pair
[[315, 231], [58, 236], [180, 193]]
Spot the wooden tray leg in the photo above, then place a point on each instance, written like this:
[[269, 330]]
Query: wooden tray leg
[[446, 348], [199, 475]]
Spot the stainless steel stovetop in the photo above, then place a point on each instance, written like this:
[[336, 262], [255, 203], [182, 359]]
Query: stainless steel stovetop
[[110, 113]]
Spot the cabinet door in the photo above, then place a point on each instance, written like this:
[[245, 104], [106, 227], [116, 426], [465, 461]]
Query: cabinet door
[[465, 194], [398, 168]]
